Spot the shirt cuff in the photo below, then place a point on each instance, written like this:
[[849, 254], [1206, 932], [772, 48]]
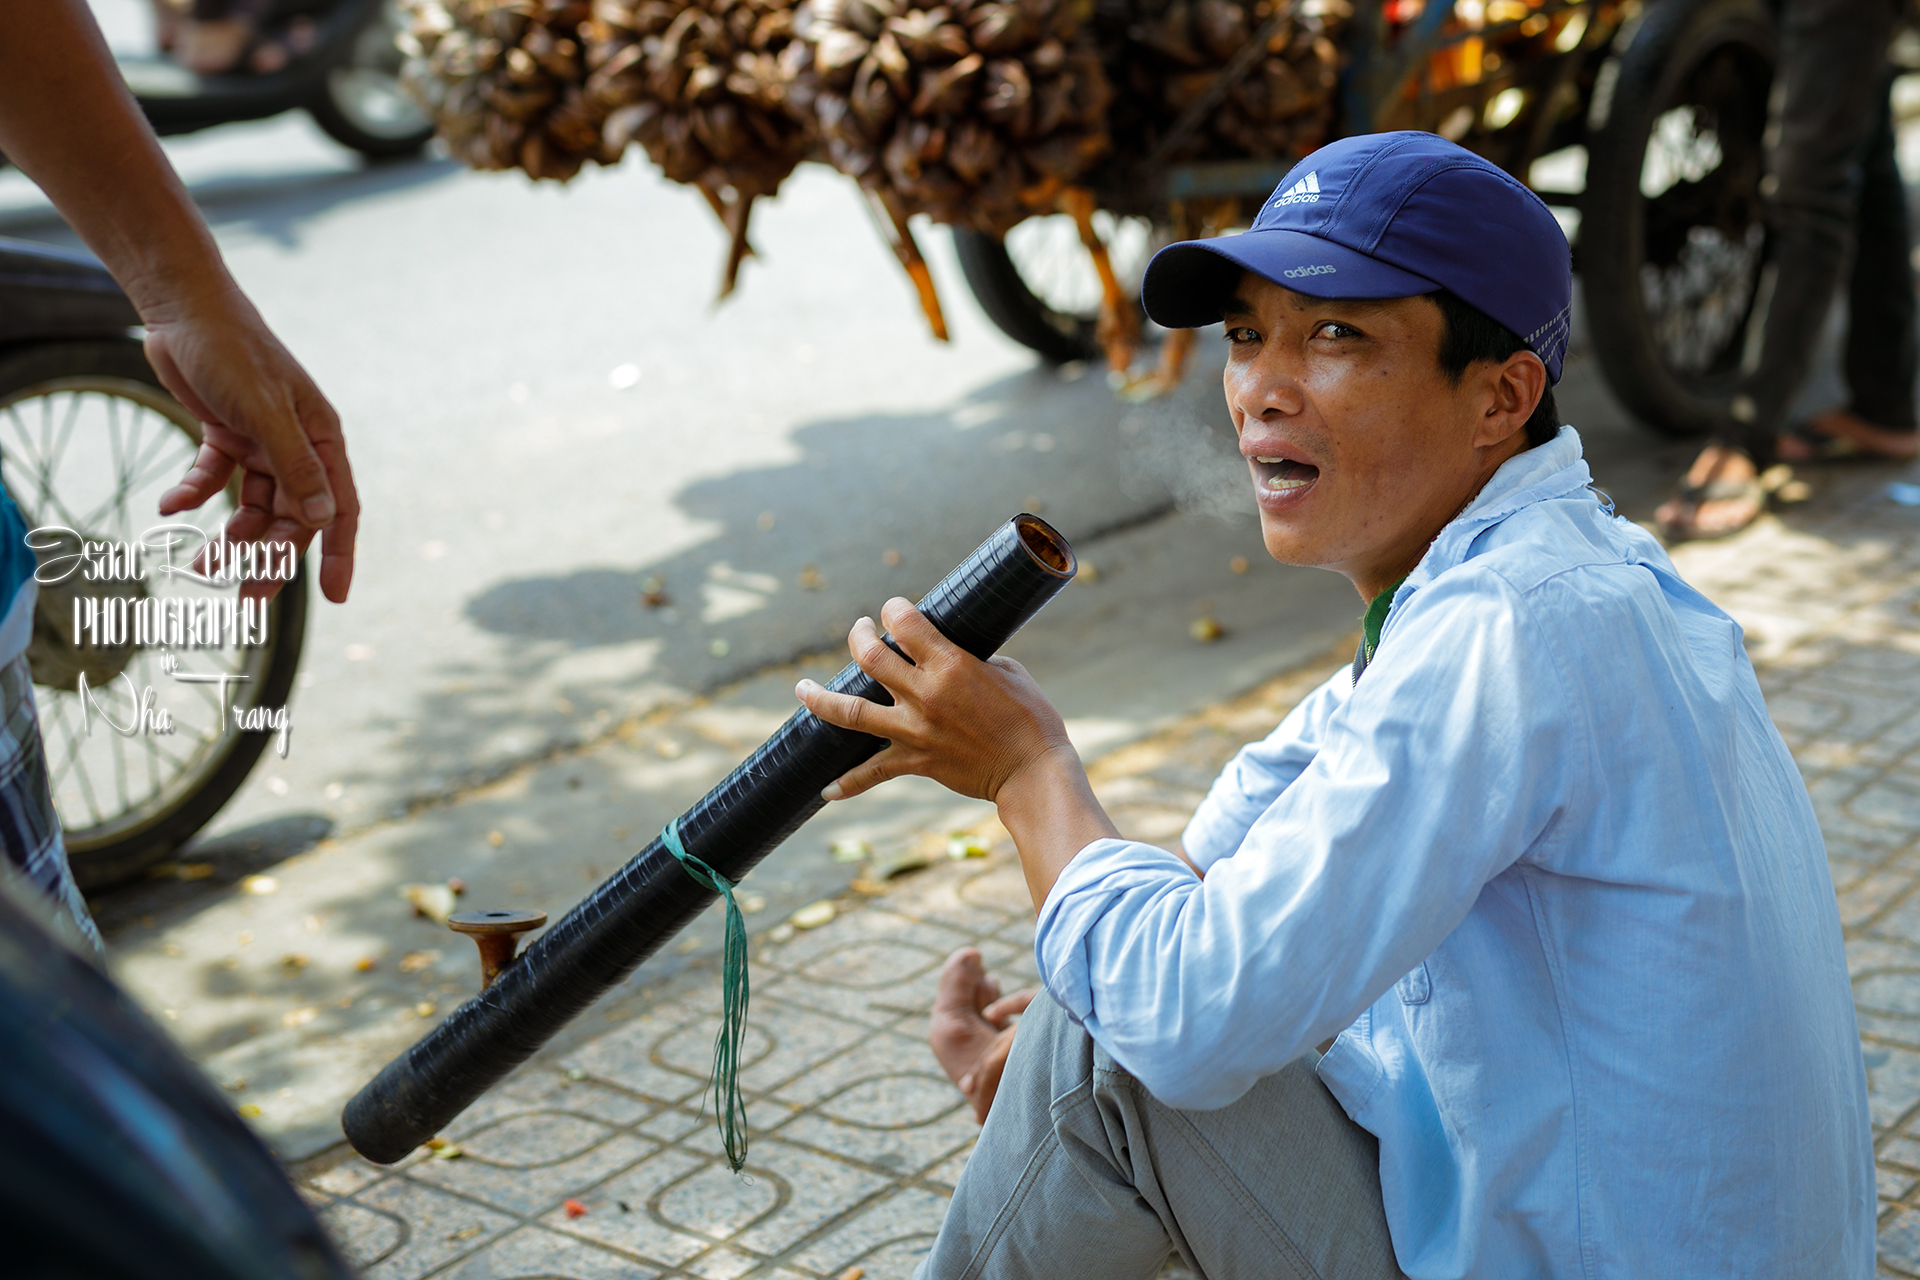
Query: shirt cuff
[[1214, 833], [1098, 876]]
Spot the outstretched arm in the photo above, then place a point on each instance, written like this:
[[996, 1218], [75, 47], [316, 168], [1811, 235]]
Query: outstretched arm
[[68, 122]]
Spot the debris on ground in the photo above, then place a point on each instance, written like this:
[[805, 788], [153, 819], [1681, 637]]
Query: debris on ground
[[180, 871], [963, 844], [431, 901], [813, 915], [850, 850]]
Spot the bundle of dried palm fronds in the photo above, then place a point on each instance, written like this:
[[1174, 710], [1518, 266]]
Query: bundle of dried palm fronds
[[974, 112], [1227, 79], [504, 82]]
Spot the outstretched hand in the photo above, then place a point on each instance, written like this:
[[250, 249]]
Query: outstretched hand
[[69, 123], [982, 729], [967, 724], [264, 416]]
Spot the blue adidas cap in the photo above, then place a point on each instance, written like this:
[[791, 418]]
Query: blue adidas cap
[[1387, 215]]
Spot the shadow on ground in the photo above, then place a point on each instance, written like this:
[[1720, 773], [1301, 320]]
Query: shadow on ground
[[799, 550], [213, 867]]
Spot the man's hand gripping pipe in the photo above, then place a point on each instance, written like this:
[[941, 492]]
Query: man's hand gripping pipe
[[605, 937]]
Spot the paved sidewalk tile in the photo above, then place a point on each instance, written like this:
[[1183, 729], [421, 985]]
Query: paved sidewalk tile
[[606, 1163]]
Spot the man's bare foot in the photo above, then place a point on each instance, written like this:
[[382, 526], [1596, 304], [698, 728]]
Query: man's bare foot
[[1721, 494], [1848, 434], [971, 1031]]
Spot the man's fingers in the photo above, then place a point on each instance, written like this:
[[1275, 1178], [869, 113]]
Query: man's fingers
[[1007, 1007], [297, 469], [863, 777], [876, 658], [282, 531], [257, 491], [843, 709], [919, 639], [207, 476], [246, 524], [250, 521], [336, 554], [336, 546]]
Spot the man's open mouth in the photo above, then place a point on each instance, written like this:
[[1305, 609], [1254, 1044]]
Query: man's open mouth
[[1283, 476]]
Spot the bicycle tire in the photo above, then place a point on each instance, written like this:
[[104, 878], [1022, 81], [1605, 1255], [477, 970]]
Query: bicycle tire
[[108, 854]]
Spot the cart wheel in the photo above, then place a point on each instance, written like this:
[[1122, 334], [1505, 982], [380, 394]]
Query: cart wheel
[[361, 104], [89, 440], [1039, 285], [1672, 237]]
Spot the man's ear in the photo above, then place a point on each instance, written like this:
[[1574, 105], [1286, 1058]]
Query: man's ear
[[1514, 388]]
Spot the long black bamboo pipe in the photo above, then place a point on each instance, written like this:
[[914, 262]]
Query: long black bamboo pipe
[[597, 944]]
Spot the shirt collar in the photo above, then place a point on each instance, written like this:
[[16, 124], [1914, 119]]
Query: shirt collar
[[1555, 469]]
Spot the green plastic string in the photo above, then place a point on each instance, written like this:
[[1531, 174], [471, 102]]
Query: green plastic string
[[729, 1110]]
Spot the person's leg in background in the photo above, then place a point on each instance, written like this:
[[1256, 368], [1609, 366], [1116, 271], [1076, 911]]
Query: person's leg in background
[[1080, 1172], [1882, 357], [1833, 63], [30, 837]]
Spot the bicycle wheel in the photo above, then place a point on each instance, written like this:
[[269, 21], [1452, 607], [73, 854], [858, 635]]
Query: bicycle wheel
[[1039, 286], [1673, 244], [88, 441]]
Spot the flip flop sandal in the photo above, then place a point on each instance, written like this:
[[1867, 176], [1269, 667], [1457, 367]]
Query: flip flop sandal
[[1822, 447], [1693, 497]]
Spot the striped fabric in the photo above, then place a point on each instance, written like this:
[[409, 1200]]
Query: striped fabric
[[29, 828]]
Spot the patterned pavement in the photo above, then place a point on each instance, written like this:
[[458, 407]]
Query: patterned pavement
[[600, 1164]]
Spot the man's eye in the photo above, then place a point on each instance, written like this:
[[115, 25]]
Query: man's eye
[[1334, 329], [1239, 335]]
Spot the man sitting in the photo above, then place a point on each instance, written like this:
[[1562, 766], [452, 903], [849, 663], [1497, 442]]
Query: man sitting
[[1536, 874]]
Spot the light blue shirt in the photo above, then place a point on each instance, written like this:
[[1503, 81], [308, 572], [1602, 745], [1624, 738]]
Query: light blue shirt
[[1551, 874]]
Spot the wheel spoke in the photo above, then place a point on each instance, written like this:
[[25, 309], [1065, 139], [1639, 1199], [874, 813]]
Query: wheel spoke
[[93, 455], [81, 774], [120, 764], [45, 501]]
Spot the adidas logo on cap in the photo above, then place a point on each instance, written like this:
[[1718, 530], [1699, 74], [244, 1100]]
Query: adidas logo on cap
[[1305, 191]]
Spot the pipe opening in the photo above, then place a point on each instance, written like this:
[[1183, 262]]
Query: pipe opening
[[1045, 544]]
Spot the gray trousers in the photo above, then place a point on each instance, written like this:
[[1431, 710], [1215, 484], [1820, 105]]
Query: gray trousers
[[1839, 190], [1080, 1172]]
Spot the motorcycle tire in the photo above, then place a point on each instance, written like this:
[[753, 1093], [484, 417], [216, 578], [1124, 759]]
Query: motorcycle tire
[[1038, 285], [361, 104], [1673, 244], [997, 286], [105, 847]]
